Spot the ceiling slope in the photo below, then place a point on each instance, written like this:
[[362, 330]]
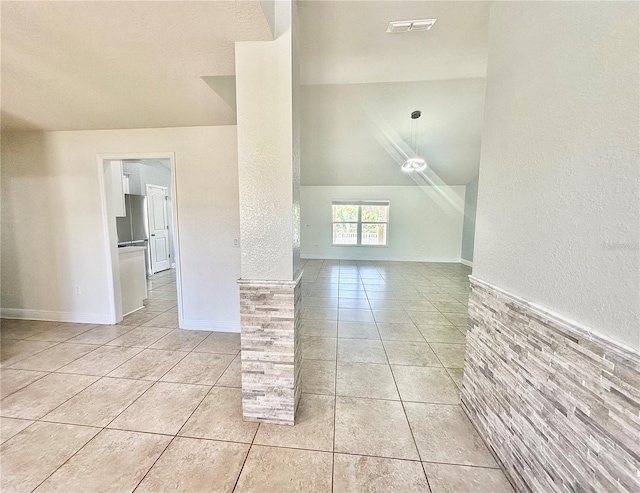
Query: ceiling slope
[[106, 65], [361, 85]]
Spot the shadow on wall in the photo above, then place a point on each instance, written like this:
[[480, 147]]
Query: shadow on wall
[[30, 186]]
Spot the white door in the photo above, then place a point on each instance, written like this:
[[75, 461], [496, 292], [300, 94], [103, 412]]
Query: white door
[[158, 228]]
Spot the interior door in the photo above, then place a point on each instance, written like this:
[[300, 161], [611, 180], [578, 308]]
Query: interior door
[[158, 228]]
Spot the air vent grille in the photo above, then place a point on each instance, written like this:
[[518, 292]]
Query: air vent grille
[[410, 26]]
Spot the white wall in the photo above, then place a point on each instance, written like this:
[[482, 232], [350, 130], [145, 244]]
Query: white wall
[[265, 115], [425, 223], [469, 228], [558, 204], [52, 232]]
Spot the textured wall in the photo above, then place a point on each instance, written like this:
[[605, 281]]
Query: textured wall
[[265, 153], [558, 205], [560, 407], [469, 226], [296, 133], [52, 221]]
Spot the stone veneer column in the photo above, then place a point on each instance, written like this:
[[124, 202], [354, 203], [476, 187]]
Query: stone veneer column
[[271, 352], [269, 192]]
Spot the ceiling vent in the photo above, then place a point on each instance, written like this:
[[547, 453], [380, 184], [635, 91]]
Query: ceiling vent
[[410, 26]]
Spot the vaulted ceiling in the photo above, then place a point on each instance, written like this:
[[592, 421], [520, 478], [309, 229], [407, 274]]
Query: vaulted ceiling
[[120, 64], [361, 85]]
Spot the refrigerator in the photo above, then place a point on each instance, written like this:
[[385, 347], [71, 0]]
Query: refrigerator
[[133, 229]]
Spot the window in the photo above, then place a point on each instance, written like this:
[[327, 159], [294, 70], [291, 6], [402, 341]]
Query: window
[[360, 223]]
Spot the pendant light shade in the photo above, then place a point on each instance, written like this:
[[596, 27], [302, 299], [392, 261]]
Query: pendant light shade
[[415, 163]]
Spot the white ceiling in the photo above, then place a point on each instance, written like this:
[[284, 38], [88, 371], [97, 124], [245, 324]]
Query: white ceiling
[[360, 134], [120, 64], [362, 83]]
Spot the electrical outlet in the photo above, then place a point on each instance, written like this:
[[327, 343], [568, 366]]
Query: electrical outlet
[[78, 290]]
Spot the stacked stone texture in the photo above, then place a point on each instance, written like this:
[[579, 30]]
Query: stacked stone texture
[[270, 350], [559, 407]]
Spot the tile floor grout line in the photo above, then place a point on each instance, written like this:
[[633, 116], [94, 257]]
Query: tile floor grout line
[[68, 459], [335, 397], [415, 444], [27, 357], [25, 386], [395, 274], [154, 463], [253, 439]]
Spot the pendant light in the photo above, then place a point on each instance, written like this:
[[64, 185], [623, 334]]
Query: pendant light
[[415, 163]]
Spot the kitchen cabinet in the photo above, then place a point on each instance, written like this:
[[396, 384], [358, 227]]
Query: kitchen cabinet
[[133, 278]]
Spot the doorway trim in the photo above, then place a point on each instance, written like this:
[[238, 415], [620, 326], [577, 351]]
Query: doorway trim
[[112, 263]]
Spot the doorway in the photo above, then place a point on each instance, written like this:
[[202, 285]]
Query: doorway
[[147, 179]]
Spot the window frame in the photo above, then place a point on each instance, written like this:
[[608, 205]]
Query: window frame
[[359, 222]]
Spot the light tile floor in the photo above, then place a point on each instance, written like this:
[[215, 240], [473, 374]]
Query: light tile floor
[[148, 407]]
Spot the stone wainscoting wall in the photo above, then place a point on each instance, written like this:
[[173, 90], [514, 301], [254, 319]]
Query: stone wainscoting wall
[[270, 350], [559, 407]]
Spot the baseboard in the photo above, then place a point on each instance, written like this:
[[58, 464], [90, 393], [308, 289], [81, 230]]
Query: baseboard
[[466, 262], [209, 325], [133, 311], [55, 316], [445, 260]]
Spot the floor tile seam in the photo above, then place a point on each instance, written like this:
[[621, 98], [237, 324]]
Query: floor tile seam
[[415, 444], [29, 356], [65, 340], [66, 423], [153, 382], [113, 369], [68, 459], [47, 373], [139, 353], [203, 398], [94, 383], [454, 380], [335, 397], [199, 384], [110, 340], [176, 434], [213, 352], [40, 332], [493, 454], [253, 438], [438, 357], [33, 422], [154, 463], [306, 449], [71, 397], [424, 471], [459, 464]]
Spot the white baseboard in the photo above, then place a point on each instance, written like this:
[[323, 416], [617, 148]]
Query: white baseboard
[[466, 262], [55, 316], [133, 311], [209, 325], [447, 260]]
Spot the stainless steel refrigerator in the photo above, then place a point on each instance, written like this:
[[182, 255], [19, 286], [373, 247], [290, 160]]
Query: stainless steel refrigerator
[[133, 229]]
